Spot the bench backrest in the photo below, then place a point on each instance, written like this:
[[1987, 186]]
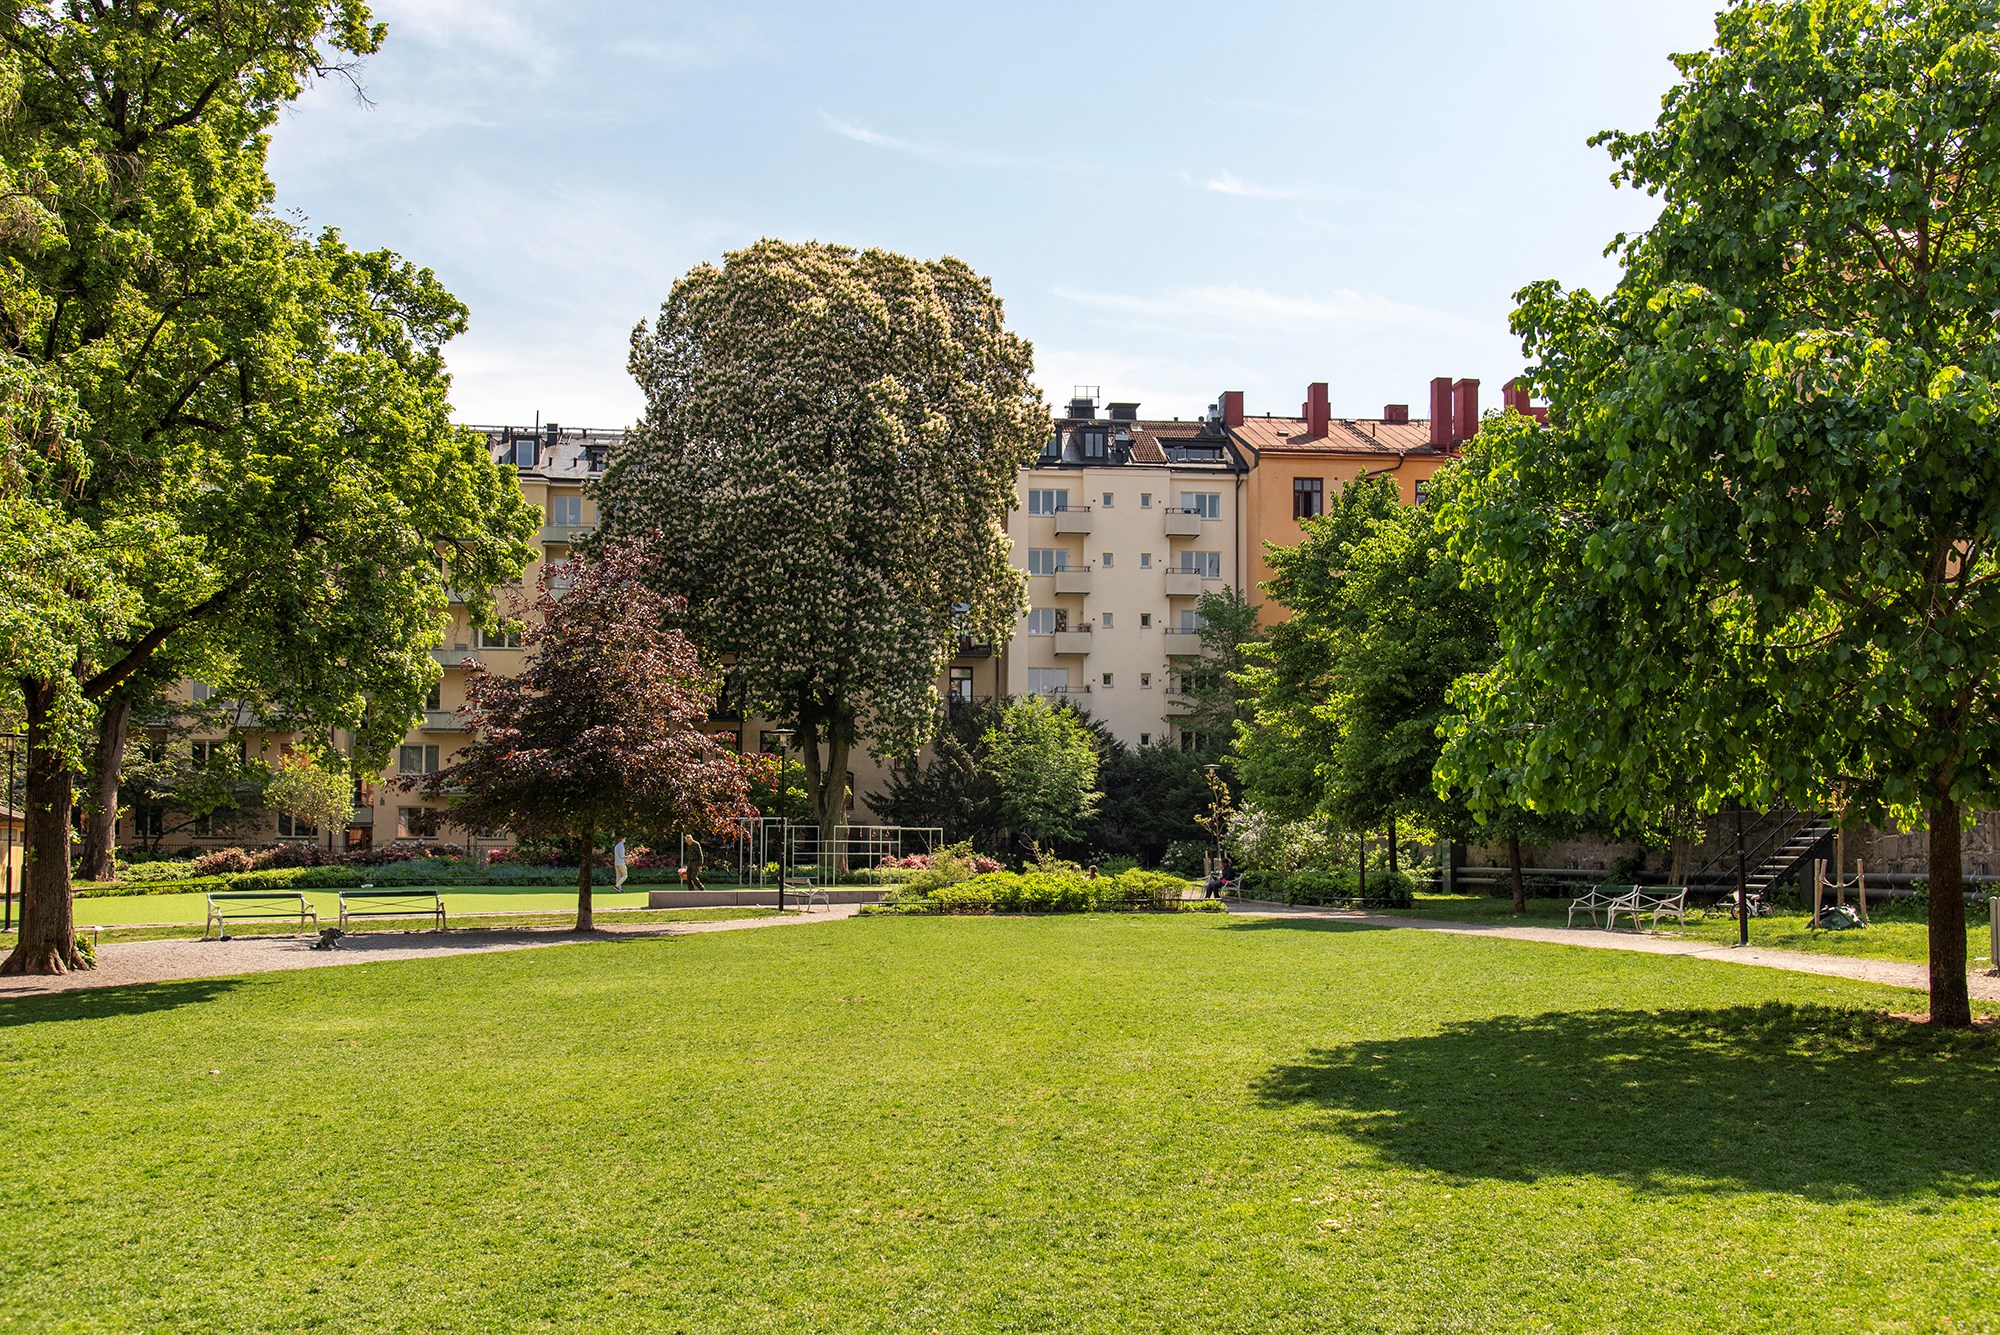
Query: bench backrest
[[391, 894], [239, 896]]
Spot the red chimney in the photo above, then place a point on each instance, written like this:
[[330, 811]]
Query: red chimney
[[1316, 411], [1232, 408], [1465, 410], [1515, 396], [1396, 414], [1441, 432]]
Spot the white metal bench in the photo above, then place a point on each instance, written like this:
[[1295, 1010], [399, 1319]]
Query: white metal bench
[[225, 906], [369, 902], [1596, 899], [1665, 902]]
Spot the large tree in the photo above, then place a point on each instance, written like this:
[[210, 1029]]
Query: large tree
[[829, 452], [1759, 539], [601, 734], [258, 462]]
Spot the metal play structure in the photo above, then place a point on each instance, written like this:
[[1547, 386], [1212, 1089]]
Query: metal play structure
[[800, 856]]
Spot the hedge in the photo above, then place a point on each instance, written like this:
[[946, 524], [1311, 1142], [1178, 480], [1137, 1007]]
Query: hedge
[[1320, 888], [423, 872], [1052, 892]]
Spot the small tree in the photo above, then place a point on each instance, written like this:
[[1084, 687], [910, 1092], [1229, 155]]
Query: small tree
[[1044, 762], [306, 790], [603, 730]]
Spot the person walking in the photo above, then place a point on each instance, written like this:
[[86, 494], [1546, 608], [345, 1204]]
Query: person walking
[[691, 862]]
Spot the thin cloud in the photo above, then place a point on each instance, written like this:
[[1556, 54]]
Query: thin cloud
[[1251, 306], [945, 155], [1228, 183]]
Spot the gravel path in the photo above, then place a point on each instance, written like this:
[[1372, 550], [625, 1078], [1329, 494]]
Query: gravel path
[[139, 962], [1984, 986]]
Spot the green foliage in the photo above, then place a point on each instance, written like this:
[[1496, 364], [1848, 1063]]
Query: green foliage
[[306, 789], [1152, 796], [1044, 764], [953, 789], [1051, 887], [827, 459], [1259, 840], [1756, 551], [1209, 686], [1385, 889]]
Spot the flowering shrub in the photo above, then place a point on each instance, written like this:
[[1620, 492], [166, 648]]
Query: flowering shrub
[[289, 855], [979, 863], [222, 862]]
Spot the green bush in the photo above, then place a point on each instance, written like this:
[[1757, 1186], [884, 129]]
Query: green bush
[[143, 873], [440, 872], [1117, 866]]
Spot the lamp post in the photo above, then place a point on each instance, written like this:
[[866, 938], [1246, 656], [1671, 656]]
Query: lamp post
[[13, 819]]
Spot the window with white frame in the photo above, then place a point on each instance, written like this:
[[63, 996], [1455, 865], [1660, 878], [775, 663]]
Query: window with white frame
[[1107, 500], [1046, 560], [1044, 620], [291, 827], [1206, 564], [1107, 560], [1145, 621], [566, 511], [499, 639], [1145, 681], [1048, 681], [1207, 504], [1192, 622], [1048, 501], [417, 760], [1106, 679], [1107, 621], [1145, 500], [1145, 560]]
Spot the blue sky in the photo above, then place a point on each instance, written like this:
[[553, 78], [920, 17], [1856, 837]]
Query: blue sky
[[1172, 199]]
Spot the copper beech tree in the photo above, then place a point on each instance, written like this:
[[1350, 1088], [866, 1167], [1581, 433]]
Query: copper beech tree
[[602, 732]]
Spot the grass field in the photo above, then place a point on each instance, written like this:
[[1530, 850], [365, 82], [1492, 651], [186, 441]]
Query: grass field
[[1054, 1124], [1897, 933]]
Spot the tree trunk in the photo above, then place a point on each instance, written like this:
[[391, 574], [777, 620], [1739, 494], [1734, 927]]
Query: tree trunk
[[831, 799], [1392, 846], [47, 943], [100, 820], [584, 921], [1951, 1005], [1514, 873]]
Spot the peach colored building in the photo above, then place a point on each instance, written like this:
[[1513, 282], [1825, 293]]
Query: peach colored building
[[1298, 464]]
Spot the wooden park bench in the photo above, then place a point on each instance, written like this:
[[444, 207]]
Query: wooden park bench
[[226, 906], [372, 903]]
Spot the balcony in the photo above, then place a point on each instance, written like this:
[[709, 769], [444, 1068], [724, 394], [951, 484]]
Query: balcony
[[1072, 642], [441, 720], [456, 656], [1184, 584], [1079, 520], [1183, 642], [1074, 581], [1182, 524], [565, 534]]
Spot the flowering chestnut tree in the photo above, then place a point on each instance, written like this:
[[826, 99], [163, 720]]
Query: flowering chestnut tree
[[602, 731], [828, 455]]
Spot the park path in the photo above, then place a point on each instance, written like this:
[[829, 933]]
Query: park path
[[1916, 976], [139, 962]]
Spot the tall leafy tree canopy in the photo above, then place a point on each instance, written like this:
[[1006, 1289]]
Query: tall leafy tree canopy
[[602, 732], [829, 452], [1756, 542], [260, 471], [1044, 762]]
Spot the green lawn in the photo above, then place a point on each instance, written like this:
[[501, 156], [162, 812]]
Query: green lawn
[[511, 919], [117, 909], [1030, 1124], [1897, 933]]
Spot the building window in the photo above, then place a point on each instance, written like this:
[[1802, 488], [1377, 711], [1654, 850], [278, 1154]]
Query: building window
[[1093, 444], [202, 690], [1145, 560], [1107, 560], [1308, 497], [291, 827], [1107, 621], [1107, 681], [434, 702], [409, 820], [594, 457], [1145, 621], [1145, 500], [1052, 449], [959, 685], [208, 753], [149, 822], [1145, 681], [1193, 623], [1046, 560], [1207, 504], [499, 639], [1107, 500], [524, 453], [1145, 739], [1206, 564], [1423, 492], [1045, 620], [1044, 501], [1048, 681], [566, 511], [417, 760]]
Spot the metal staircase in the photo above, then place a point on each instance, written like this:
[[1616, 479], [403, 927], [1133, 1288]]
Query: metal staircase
[[1775, 845]]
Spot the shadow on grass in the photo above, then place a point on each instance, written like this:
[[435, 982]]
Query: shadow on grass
[[1807, 1100], [96, 1003], [1289, 924]]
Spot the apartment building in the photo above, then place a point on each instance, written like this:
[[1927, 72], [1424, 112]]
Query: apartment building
[[1121, 525], [1296, 464]]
